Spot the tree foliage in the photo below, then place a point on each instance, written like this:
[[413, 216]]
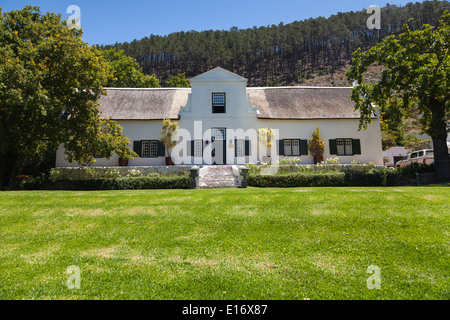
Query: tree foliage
[[277, 54], [127, 73], [168, 130], [316, 144], [50, 81], [416, 76], [178, 81]]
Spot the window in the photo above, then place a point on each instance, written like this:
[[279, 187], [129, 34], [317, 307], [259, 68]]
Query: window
[[218, 102], [287, 148], [291, 147], [149, 149], [413, 155], [344, 147], [295, 147], [198, 148], [218, 134], [240, 148]]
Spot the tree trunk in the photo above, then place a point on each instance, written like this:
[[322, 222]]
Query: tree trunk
[[439, 137], [2, 168]]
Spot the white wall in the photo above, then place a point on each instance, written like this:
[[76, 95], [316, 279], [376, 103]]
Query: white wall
[[371, 149]]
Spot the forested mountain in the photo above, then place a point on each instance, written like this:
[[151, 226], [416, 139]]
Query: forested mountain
[[280, 54]]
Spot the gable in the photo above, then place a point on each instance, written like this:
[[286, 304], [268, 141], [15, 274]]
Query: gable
[[218, 74]]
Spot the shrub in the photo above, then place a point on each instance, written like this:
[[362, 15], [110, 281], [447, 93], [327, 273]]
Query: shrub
[[143, 182], [298, 180]]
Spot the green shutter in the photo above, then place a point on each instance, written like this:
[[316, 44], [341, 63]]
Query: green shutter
[[333, 147], [280, 147], [191, 148], [247, 147], [303, 147], [161, 149], [137, 147], [356, 146]]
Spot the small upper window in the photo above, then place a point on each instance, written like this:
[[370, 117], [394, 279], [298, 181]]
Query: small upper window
[[218, 102]]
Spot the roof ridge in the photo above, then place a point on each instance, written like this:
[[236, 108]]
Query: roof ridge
[[297, 87], [160, 89]]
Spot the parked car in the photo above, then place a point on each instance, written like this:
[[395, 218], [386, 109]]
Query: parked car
[[421, 156]]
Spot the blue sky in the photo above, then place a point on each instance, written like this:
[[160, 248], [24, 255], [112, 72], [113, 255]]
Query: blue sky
[[107, 22]]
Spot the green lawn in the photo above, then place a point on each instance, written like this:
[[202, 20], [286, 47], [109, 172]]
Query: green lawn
[[298, 243]]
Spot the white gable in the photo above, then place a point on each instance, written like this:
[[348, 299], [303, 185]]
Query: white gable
[[217, 74]]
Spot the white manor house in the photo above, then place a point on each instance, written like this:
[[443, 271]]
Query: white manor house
[[218, 119]]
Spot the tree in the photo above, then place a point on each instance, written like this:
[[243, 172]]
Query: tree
[[316, 144], [416, 74], [50, 82], [127, 73], [169, 128], [178, 81]]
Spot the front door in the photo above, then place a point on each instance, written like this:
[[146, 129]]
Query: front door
[[218, 150]]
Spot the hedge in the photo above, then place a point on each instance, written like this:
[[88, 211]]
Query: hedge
[[333, 179], [144, 182], [297, 180]]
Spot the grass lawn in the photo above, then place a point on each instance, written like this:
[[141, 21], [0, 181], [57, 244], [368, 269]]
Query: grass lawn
[[297, 243]]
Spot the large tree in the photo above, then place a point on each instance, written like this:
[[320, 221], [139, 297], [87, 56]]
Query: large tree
[[50, 82], [127, 73], [416, 74]]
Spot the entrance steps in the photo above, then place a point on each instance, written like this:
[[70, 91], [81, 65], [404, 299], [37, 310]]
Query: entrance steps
[[217, 177]]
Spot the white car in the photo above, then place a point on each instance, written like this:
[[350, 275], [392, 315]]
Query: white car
[[421, 156]]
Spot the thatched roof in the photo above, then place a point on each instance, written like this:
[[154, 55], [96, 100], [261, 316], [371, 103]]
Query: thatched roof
[[303, 103], [143, 104], [273, 103]]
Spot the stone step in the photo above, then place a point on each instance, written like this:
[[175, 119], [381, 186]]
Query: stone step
[[217, 177]]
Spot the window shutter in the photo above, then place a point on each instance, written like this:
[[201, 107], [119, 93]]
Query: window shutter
[[247, 147], [161, 149], [303, 147], [280, 147], [333, 147], [356, 146], [235, 147], [137, 147], [190, 148]]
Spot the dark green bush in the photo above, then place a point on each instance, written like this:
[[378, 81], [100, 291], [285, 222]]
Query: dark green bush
[[298, 180], [144, 182], [416, 167], [379, 177]]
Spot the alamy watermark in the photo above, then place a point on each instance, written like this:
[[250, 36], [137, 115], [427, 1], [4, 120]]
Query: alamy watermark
[[74, 280], [74, 20], [374, 281], [374, 21]]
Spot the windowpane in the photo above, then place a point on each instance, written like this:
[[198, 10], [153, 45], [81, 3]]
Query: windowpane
[[340, 146], [348, 147], [198, 148], [240, 148], [287, 148], [149, 149], [153, 149], [218, 133], [218, 102], [146, 148], [295, 147], [218, 99]]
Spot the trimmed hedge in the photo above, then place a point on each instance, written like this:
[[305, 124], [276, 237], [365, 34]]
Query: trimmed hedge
[[355, 175], [144, 182], [333, 179], [298, 180]]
